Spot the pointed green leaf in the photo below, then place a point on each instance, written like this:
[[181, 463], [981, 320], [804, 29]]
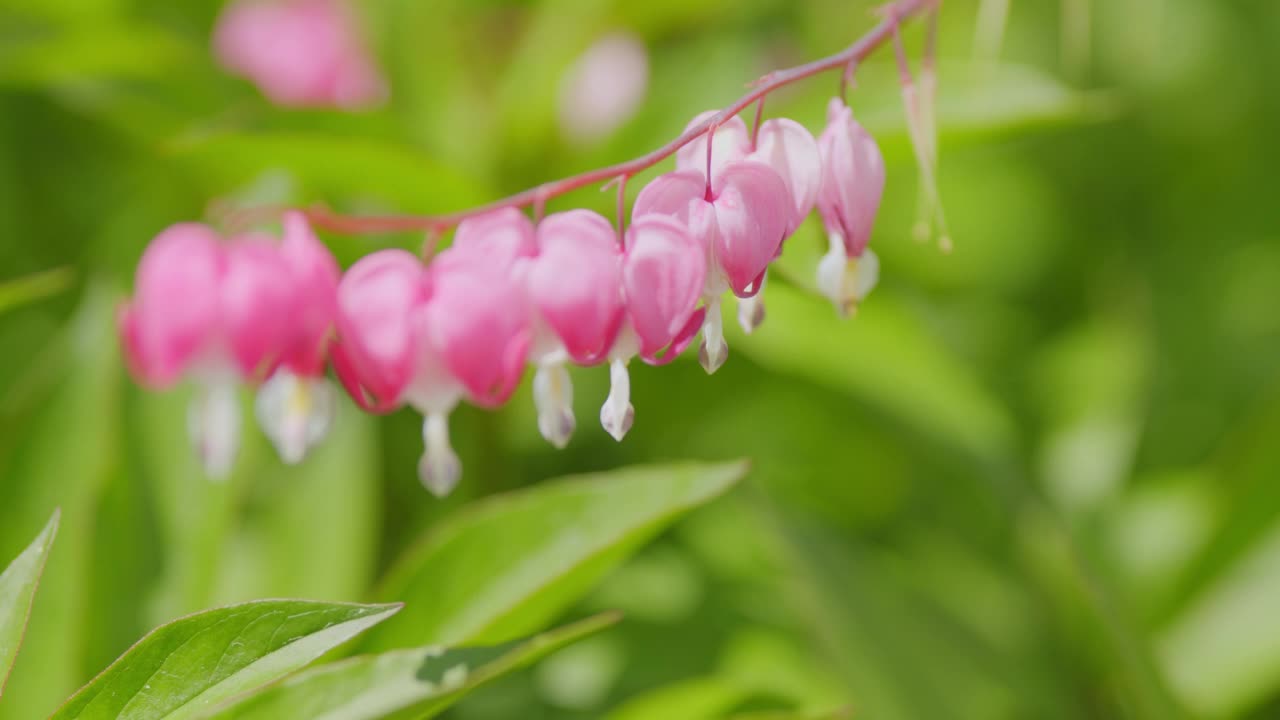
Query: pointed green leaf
[[706, 697], [62, 456], [18, 585], [37, 286], [186, 667], [401, 684], [504, 567]]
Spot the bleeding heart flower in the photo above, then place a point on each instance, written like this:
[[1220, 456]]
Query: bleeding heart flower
[[477, 322], [575, 287], [663, 274], [782, 144], [303, 53], [222, 313], [740, 220], [384, 356], [429, 336], [791, 151], [852, 184]]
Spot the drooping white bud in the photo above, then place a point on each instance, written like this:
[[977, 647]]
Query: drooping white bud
[[439, 469], [553, 398], [617, 414], [295, 413], [847, 281], [213, 423], [714, 350], [751, 310]]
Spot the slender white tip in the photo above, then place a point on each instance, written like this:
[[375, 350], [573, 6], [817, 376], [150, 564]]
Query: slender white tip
[[751, 312], [617, 414], [295, 413], [714, 350], [553, 398], [213, 422], [439, 469]]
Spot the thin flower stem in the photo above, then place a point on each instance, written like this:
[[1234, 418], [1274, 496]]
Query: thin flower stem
[[622, 210], [755, 126], [894, 15], [711, 141]]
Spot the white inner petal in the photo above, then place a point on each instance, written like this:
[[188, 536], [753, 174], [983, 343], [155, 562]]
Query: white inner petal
[[439, 469], [553, 397], [295, 413], [617, 414], [714, 349], [751, 310], [213, 422]]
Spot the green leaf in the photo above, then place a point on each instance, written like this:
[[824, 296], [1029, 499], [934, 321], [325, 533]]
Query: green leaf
[[78, 55], [23, 290], [188, 666], [307, 530], [883, 356], [696, 699], [62, 457], [503, 567], [405, 684], [1219, 654], [18, 585]]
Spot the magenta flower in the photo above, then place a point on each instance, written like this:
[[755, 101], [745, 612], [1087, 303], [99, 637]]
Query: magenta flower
[[782, 144], [295, 406], [739, 215], [852, 183], [663, 274], [575, 287], [788, 148], [225, 312], [429, 336], [300, 53]]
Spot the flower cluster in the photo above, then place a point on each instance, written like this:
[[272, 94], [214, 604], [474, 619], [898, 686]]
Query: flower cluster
[[508, 293]]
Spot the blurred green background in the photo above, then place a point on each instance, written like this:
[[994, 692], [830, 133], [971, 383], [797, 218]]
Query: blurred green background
[[1037, 477]]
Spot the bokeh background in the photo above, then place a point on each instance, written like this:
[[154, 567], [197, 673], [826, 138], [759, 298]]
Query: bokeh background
[[1037, 477]]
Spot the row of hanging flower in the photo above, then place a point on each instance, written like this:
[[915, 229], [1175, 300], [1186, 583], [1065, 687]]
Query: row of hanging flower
[[508, 293]]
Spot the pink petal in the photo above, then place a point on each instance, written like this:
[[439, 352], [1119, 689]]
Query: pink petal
[[683, 338], [174, 314], [670, 194], [663, 274], [575, 283], [316, 276], [853, 178], [495, 239], [790, 149], [752, 215], [379, 301], [258, 303], [730, 142], [478, 325]]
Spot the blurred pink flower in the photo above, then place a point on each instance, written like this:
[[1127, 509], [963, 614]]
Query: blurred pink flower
[[604, 87], [253, 308], [429, 336], [300, 53]]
